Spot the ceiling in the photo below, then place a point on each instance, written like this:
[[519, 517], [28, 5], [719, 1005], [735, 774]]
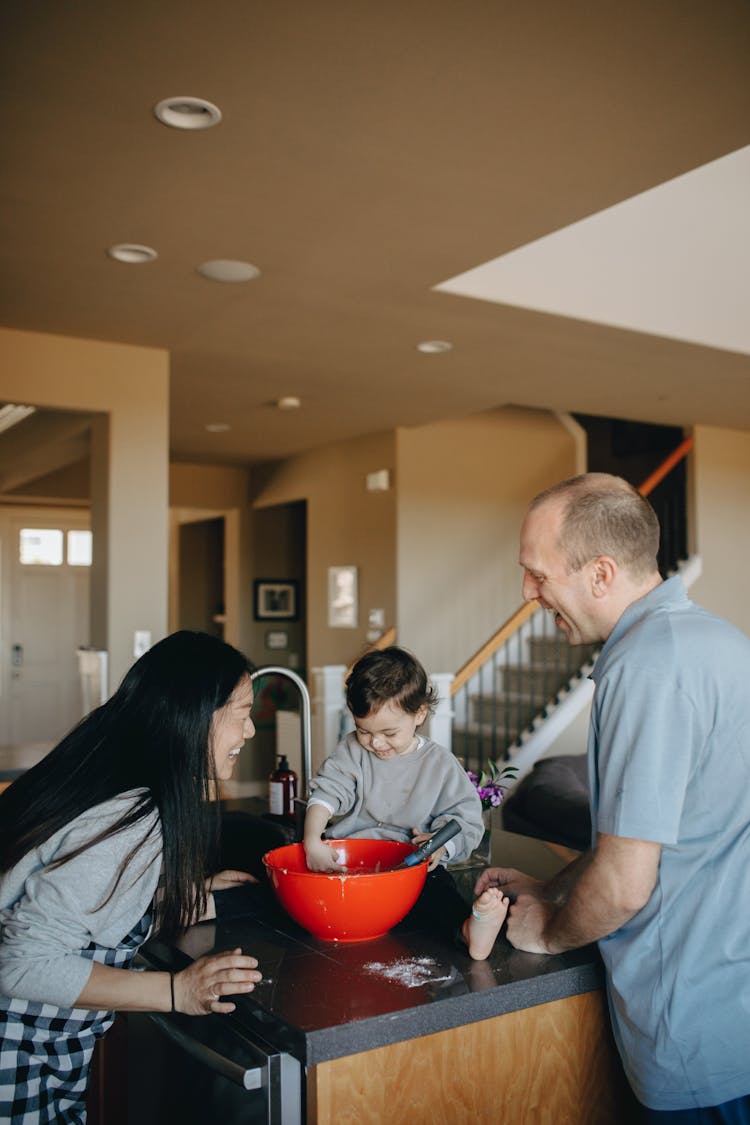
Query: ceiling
[[369, 152]]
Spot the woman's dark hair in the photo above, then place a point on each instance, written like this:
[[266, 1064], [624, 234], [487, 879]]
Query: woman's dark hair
[[388, 675], [152, 734]]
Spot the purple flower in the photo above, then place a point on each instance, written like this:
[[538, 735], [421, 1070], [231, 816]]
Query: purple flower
[[489, 786]]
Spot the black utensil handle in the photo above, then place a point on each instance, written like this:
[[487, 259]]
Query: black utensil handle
[[447, 832]]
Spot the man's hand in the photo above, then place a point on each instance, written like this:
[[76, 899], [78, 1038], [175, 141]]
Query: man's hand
[[593, 896], [527, 919], [510, 881]]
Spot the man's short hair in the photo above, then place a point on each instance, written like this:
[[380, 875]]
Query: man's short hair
[[605, 515]]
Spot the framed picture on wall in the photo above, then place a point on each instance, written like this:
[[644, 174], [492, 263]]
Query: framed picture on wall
[[276, 599]]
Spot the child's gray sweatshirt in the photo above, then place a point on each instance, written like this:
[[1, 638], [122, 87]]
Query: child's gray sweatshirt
[[386, 798]]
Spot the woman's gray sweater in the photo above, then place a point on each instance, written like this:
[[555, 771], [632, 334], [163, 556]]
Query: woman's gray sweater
[[48, 915]]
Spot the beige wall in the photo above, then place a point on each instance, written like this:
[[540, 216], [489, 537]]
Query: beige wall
[[130, 386], [207, 486], [346, 526], [445, 536], [463, 489], [720, 490]]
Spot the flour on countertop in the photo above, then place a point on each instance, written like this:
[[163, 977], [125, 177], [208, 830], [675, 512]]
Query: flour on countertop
[[411, 973]]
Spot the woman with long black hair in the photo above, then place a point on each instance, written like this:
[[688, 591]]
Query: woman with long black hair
[[106, 841]]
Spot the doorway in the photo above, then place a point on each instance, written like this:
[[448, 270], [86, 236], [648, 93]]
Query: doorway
[[204, 571], [201, 598], [633, 450], [46, 564]]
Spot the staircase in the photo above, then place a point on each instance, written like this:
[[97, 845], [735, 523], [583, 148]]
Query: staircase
[[506, 702]]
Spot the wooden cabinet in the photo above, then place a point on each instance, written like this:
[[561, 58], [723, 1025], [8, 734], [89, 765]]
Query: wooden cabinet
[[107, 1097], [553, 1064]]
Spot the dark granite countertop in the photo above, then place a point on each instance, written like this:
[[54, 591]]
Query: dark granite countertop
[[323, 1000]]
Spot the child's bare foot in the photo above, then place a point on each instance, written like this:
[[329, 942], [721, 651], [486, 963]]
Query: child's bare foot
[[483, 924]]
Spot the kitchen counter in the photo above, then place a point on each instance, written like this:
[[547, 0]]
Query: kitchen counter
[[323, 1000], [400, 1028]]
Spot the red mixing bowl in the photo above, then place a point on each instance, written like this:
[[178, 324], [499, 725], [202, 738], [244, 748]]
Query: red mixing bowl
[[363, 902]]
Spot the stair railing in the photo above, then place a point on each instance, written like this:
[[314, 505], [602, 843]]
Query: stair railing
[[529, 659]]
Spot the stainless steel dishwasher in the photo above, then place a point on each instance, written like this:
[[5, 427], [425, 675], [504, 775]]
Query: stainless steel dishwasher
[[197, 1070]]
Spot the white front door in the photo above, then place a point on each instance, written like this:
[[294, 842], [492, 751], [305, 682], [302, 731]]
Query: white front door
[[45, 620]]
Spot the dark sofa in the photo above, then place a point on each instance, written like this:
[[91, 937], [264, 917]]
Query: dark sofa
[[552, 802]]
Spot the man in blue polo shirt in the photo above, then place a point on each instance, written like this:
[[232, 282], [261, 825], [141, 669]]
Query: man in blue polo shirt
[[665, 888]]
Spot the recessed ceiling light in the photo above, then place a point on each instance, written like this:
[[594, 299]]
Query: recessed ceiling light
[[187, 113], [288, 402], [226, 269], [132, 253], [432, 347], [217, 427]]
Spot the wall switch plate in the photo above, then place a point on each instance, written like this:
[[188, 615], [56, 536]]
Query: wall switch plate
[[141, 642], [379, 481], [375, 625]]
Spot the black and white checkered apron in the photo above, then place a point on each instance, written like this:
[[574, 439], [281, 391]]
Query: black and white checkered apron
[[45, 1051]]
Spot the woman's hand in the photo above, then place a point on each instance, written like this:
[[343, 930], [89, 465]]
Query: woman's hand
[[202, 987], [222, 881], [225, 880], [321, 856]]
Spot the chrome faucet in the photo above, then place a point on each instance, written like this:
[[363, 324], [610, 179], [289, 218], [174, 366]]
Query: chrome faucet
[[288, 674]]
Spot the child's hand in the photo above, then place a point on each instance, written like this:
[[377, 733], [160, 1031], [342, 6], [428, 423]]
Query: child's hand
[[418, 838], [321, 856]]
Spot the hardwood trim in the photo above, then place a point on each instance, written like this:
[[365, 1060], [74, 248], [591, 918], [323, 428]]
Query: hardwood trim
[[387, 638], [464, 674]]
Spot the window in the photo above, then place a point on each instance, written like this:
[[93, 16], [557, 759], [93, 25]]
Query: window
[[41, 546], [79, 548], [45, 546]]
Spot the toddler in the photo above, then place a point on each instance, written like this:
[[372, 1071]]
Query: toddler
[[385, 781]]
